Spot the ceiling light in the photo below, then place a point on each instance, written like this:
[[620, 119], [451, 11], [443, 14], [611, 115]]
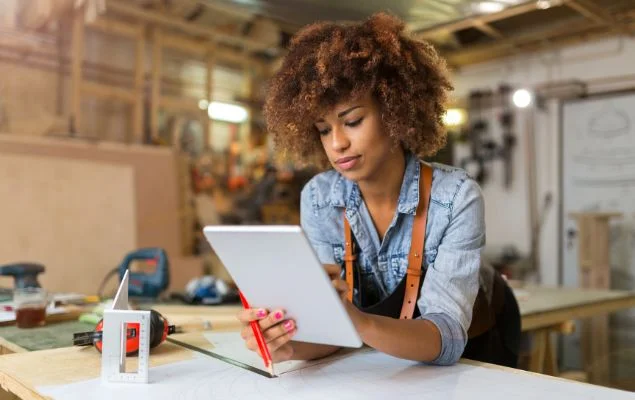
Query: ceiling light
[[522, 98], [454, 117], [543, 4], [203, 104], [489, 7], [227, 112]]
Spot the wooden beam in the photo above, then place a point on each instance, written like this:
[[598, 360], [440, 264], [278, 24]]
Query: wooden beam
[[562, 34], [180, 104], [114, 27], [155, 94], [209, 93], [473, 51], [108, 92], [76, 70], [36, 14], [124, 8], [597, 15], [488, 30], [594, 15], [185, 44], [201, 48], [139, 83], [474, 21]]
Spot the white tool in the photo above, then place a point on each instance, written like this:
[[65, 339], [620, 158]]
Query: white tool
[[113, 354]]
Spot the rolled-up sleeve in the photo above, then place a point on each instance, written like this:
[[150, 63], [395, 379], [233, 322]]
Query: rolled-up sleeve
[[310, 222], [451, 283]]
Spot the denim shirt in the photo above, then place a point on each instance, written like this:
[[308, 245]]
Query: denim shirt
[[455, 237]]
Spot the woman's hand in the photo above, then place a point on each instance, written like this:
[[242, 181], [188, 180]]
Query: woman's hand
[[334, 271], [276, 330], [358, 317]]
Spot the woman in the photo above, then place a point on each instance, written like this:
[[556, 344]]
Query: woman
[[368, 100]]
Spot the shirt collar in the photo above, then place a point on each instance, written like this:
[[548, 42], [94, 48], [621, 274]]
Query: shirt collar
[[345, 193]]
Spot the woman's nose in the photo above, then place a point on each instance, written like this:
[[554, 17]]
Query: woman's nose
[[339, 140]]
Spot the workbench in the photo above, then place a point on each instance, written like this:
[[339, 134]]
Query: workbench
[[543, 310], [24, 373], [546, 310]]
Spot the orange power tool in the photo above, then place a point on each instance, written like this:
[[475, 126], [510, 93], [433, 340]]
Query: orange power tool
[[159, 331]]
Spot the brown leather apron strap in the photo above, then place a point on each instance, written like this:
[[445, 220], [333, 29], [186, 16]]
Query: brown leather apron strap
[[349, 257], [417, 245]]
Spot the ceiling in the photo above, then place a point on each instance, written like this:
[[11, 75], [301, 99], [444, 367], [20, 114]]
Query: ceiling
[[466, 32]]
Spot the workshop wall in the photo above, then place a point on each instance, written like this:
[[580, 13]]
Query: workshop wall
[[592, 61]]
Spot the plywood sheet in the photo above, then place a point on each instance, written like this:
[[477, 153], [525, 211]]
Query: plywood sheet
[[77, 217]]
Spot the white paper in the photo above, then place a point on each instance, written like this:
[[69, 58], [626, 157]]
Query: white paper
[[360, 375]]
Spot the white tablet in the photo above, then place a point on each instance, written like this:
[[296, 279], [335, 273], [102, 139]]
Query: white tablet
[[275, 267]]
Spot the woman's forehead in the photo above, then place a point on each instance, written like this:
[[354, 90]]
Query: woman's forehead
[[365, 100]]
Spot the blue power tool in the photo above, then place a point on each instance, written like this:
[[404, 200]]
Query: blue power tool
[[148, 280]]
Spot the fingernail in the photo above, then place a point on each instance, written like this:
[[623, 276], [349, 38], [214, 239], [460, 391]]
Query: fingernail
[[288, 325], [278, 315], [261, 313]]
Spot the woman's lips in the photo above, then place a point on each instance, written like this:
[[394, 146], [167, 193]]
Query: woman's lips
[[346, 163]]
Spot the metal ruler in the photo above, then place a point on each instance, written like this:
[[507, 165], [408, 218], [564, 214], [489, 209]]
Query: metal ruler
[[222, 358]]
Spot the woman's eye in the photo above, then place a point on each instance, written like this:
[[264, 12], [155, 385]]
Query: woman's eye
[[324, 131], [354, 123]]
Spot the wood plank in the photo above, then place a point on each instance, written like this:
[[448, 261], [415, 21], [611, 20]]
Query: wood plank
[[6, 347], [114, 27], [560, 313], [126, 8], [474, 21], [108, 92], [155, 94], [21, 373], [139, 84], [76, 69], [209, 93], [180, 104], [99, 199]]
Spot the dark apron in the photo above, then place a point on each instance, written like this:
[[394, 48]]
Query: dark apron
[[498, 344]]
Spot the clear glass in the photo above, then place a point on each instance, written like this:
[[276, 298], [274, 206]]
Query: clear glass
[[30, 307]]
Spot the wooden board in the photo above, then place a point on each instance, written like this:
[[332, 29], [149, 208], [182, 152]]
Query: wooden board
[[138, 212], [75, 217], [542, 306]]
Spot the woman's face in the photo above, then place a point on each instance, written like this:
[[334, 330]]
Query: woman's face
[[354, 139]]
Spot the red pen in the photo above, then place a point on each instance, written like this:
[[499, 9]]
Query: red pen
[[262, 345]]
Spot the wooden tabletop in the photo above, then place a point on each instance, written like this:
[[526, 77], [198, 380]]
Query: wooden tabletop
[[542, 306], [22, 373]]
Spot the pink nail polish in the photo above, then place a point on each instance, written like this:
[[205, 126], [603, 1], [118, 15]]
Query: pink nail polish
[[288, 325], [261, 313], [278, 315]]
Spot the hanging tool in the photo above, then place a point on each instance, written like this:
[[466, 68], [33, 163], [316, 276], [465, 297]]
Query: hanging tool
[[25, 274], [159, 331]]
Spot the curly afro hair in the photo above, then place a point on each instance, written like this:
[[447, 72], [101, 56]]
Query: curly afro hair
[[328, 63]]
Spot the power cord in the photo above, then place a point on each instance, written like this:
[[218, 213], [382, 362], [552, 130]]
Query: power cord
[[109, 275]]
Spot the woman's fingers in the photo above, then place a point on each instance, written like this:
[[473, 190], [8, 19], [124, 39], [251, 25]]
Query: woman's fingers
[[283, 353], [251, 314], [272, 319], [333, 270], [278, 331], [277, 339], [341, 287]]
